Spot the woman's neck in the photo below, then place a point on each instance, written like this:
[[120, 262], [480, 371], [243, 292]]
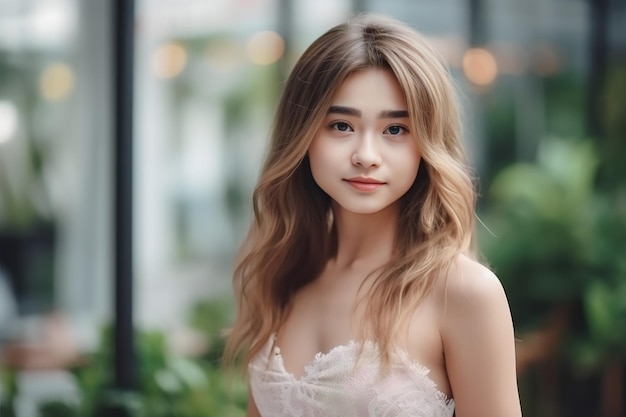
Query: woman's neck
[[364, 239]]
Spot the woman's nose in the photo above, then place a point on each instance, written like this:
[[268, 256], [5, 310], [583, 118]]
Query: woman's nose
[[366, 154]]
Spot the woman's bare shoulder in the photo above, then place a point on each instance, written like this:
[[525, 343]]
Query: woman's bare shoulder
[[472, 297], [477, 333], [469, 282]]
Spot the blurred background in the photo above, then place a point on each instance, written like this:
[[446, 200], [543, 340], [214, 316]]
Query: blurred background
[[543, 91]]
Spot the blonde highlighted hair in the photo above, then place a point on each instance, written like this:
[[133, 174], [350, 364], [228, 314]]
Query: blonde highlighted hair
[[290, 239]]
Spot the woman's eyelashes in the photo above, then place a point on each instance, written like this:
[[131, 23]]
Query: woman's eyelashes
[[341, 127], [394, 130]]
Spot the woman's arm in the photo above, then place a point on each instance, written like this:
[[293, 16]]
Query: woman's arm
[[479, 344]]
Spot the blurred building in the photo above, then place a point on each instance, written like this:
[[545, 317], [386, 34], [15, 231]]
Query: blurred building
[[207, 78]]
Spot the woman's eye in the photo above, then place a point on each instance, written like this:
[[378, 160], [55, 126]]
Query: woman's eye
[[341, 126], [395, 130]]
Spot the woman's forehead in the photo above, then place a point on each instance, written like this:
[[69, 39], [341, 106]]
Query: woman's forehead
[[370, 90]]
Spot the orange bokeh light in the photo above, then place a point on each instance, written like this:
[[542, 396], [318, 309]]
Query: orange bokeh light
[[480, 67]]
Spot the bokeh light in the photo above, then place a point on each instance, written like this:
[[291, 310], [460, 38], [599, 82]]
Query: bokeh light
[[56, 81], [169, 60], [480, 67], [265, 48]]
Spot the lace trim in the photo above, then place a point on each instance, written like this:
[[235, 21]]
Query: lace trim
[[369, 346], [335, 384]]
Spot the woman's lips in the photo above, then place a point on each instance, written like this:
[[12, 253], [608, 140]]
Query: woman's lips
[[364, 184]]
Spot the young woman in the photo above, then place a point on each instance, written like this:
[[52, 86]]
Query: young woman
[[358, 294]]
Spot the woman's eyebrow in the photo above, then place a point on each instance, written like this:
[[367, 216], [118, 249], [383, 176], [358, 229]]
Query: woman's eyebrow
[[385, 114], [348, 111], [393, 114]]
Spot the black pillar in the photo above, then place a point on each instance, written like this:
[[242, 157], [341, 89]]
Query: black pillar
[[477, 23], [124, 366]]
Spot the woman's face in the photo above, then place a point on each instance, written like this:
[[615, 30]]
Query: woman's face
[[364, 156]]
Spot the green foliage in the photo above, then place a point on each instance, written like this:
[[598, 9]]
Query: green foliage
[[170, 385], [565, 105], [604, 299], [499, 123], [210, 317], [540, 216], [613, 145], [558, 242], [9, 384]]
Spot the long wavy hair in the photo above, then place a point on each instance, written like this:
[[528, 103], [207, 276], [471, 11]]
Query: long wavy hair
[[292, 234]]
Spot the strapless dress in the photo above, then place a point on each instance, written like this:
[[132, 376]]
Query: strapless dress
[[335, 385]]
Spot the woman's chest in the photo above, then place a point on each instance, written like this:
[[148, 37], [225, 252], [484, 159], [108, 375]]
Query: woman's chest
[[342, 383], [316, 325], [324, 314]]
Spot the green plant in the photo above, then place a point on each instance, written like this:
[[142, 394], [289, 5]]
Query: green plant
[[542, 219], [558, 248], [9, 392], [170, 385], [210, 317]]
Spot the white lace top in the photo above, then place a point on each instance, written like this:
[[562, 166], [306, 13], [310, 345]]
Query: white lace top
[[332, 387]]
